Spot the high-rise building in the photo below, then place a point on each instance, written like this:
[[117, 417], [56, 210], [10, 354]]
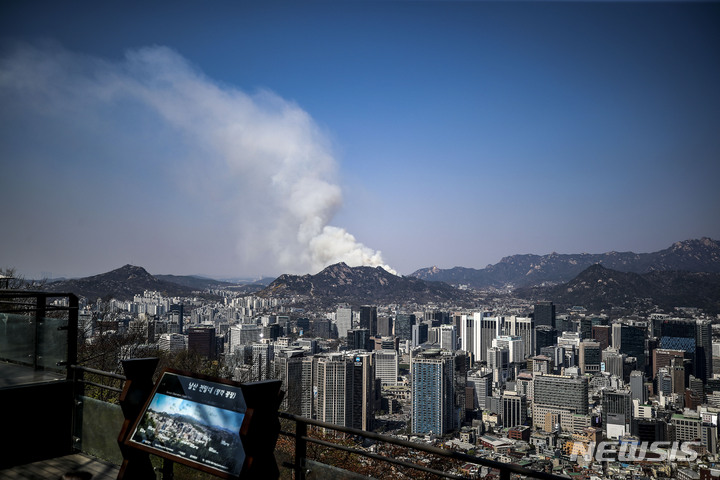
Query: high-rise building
[[481, 385], [346, 393], [386, 366], [523, 327], [385, 326], [343, 320], [201, 340], [432, 385], [490, 328], [601, 334], [466, 331], [614, 362], [289, 370], [447, 338], [363, 398], [515, 346], [545, 336], [368, 319], [585, 328], [616, 413], [692, 336], [498, 360], [358, 339], [677, 373], [176, 316], [562, 391], [271, 331], [637, 386], [544, 314], [662, 357], [263, 360], [630, 339], [333, 390], [419, 334], [243, 334], [308, 393], [514, 409], [663, 381], [172, 342], [403, 325], [589, 357]]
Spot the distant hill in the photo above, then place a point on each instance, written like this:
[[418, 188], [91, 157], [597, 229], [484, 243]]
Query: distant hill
[[361, 285], [598, 288], [194, 282], [701, 255], [122, 284]]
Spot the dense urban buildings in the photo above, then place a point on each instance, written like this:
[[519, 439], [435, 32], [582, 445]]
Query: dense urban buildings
[[521, 378]]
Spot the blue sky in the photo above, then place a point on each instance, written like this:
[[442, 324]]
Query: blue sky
[[259, 138]]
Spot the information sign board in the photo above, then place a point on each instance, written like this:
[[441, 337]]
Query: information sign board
[[196, 421]]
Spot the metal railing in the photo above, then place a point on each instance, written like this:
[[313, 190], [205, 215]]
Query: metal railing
[[302, 439], [304, 434]]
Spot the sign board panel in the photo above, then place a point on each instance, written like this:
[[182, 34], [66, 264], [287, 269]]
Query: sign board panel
[[196, 421]]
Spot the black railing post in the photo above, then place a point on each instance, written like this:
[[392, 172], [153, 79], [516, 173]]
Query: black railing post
[[504, 474], [40, 302], [72, 332], [300, 449], [78, 379]]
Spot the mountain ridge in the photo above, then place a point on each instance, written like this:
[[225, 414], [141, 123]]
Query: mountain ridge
[[521, 270], [599, 288], [122, 284], [340, 283]]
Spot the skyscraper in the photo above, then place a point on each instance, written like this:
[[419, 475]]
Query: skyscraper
[[544, 314], [614, 362], [419, 334], [384, 326], [333, 390], [447, 338], [403, 325], [562, 391], [616, 413], [343, 320], [243, 334], [601, 334], [589, 357], [545, 336], [523, 327], [201, 340], [637, 386], [386, 366], [513, 344], [630, 339], [514, 409], [289, 370], [358, 339], [433, 395], [263, 359], [692, 336], [498, 362], [362, 400], [489, 329], [481, 388], [368, 319]]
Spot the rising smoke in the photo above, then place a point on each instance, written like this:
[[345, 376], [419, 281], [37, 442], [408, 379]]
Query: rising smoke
[[260, 158]]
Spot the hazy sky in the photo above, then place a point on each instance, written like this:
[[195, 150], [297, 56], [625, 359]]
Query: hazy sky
[[242, 139]]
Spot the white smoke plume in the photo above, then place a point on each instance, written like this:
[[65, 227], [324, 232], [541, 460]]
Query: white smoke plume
[[258, 158]]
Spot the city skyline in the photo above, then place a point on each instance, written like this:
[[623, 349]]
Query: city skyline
[[258, 139]]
